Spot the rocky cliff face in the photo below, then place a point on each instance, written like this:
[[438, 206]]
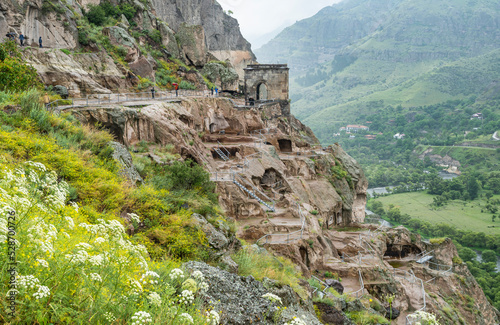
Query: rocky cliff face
[[281, 164], [222, 35], [196, 32]]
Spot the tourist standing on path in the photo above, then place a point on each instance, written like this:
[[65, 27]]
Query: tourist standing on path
[[216, 91], [176, 90], [21, 39], [212, 89], [40, 41], [153, 92]]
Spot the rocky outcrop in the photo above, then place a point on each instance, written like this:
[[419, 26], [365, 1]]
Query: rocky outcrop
[[123, 157], [80, 73], [51, 20], [222, 34], [240, 299]]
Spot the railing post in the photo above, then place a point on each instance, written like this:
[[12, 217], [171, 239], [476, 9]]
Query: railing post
[[98, 99], [87, 100]]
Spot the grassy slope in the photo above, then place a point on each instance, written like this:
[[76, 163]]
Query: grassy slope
[[408, 53], [431, 85], [466, 217]]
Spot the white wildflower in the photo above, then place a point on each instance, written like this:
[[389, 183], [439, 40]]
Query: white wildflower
[[198, 275], [79, 257], [272, 297], [71, 223], [99, 240], [84, 245], [213, 317], [42, 262], [154, 299], [136, 287], [134, 217], [27, 281], [186, 297], [110, 317], [150, 277], [43, 291], [176, 274], [96, 260], [141, 317], [186, 318], [203, 286]]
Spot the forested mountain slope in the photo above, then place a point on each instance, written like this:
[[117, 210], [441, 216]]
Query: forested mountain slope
[[409, 53]]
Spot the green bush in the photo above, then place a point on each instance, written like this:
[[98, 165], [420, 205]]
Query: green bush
[[437, 241], [264, 265], [186, 85], [128, 10], [96, 15], [15, 74], [155, 35]]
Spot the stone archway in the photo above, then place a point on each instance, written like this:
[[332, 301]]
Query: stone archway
[[261, 91]]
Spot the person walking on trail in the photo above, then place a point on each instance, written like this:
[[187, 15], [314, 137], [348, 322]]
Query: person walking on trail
[[153, 92], [212, 89], [21, 39], [40, 41], [216, 91], [46, 100]]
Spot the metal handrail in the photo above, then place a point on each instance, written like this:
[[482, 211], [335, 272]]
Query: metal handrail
[[447, 268], [424, 253], [408, 317], [127, 97], [361, 282], [254, 188], [220, 145], [52, 104], [219, 176]]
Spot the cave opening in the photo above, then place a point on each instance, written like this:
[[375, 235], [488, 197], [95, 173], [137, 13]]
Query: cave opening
[[401, 251], [232, 152], [305, 256], [271, 178], [285, 145]]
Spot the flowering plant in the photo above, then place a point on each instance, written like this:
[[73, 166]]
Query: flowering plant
[[74, 264]]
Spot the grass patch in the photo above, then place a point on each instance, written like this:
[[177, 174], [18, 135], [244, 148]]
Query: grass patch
[[264, 265], [465, 216]]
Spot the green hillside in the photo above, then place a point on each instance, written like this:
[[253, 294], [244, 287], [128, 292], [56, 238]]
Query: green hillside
[[462, 79], [409, 53]]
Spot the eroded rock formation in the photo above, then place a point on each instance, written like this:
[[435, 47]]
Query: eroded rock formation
[[317, 196]]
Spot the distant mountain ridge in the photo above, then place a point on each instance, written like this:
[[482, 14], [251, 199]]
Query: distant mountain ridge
[[355, 56]]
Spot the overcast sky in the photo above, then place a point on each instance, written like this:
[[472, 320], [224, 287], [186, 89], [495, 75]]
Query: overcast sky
[[260, 17]]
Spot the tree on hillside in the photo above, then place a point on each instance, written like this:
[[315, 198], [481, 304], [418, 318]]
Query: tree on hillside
[[489, 256], [467, 254]]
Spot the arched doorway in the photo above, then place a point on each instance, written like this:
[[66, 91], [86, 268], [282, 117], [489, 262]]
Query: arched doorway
[[262, 91]]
